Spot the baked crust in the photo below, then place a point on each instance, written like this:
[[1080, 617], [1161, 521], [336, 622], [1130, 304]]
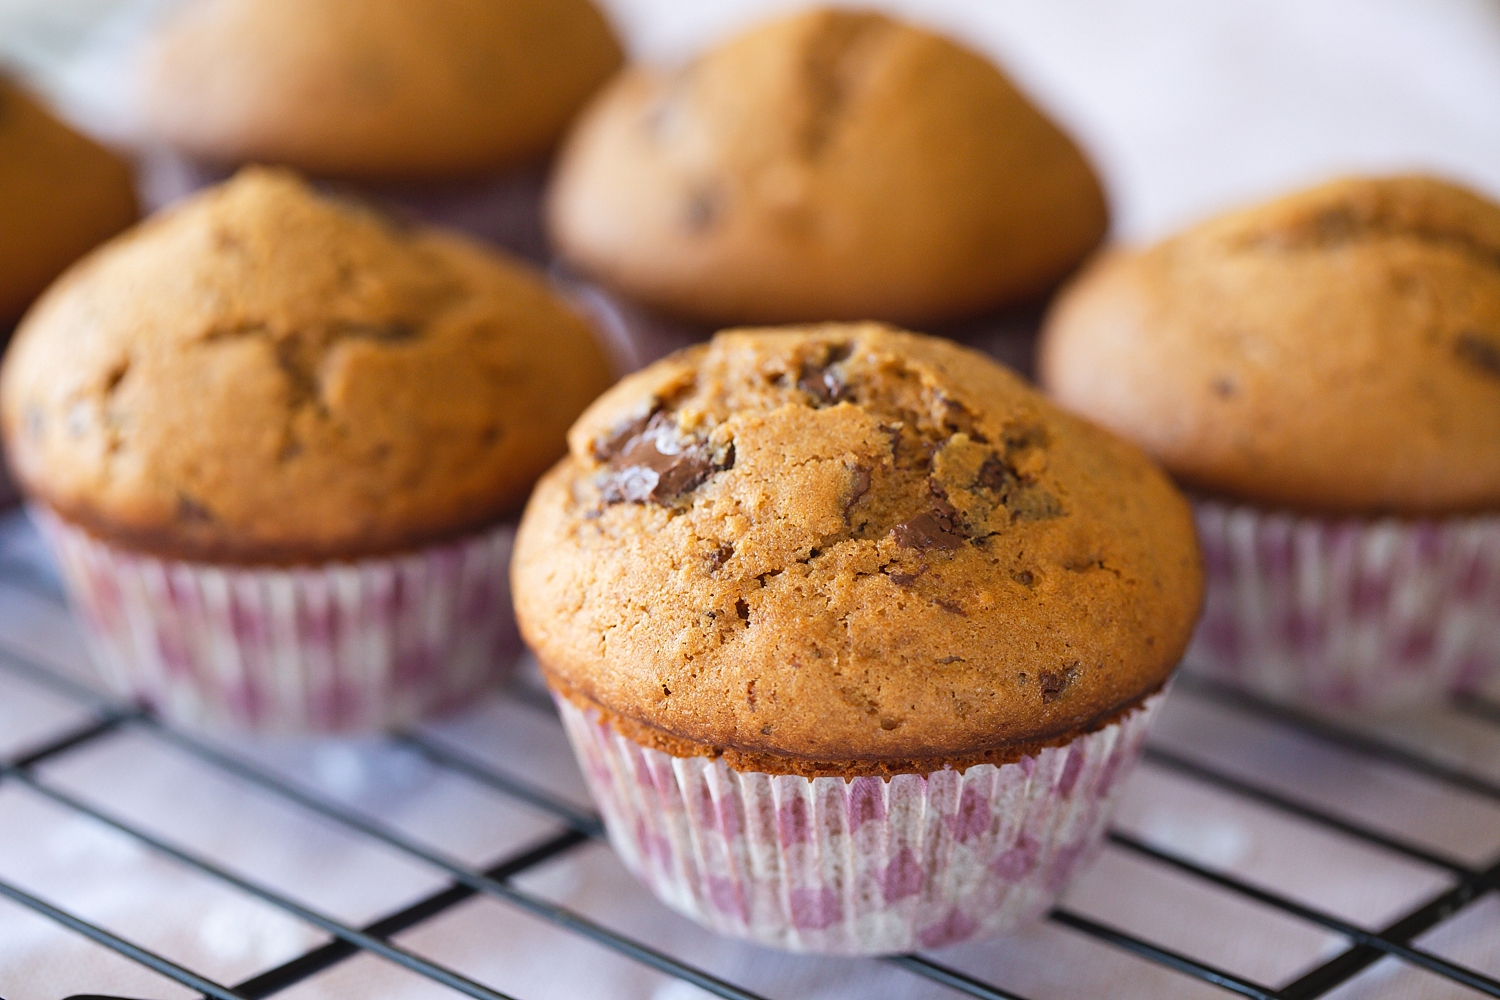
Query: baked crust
[[827, 165], [373, 89], [264, 375], [1336, 351], [60, 196], [846, 546]]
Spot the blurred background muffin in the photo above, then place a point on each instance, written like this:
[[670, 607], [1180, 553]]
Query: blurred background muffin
[[895, 621], [449, 109], [1324, 371], [827, 165], [275, 439], [61, 194]]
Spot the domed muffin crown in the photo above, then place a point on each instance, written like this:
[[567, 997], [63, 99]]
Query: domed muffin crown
[[827, 165], [847, 548], [263, 375], [373, 89], [1334, 351]]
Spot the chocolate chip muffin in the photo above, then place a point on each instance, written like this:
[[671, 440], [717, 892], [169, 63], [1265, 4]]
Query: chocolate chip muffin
[[828, 165], [286, 396], [373, 89], [60, 196], [1324, 370], [852, 561]]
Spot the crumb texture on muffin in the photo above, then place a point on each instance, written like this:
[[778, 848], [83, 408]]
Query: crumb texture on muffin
[[60, 196], [847, 549], [261, 374], [1336, 351], [373, 89], [828, 165]]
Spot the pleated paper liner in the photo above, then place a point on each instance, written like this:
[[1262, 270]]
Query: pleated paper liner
[[861, 866], [1348, 613], [337, 647]]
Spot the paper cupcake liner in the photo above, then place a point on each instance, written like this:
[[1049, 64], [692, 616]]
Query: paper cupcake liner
[[336, 647], [860, 866], [1348, 613]]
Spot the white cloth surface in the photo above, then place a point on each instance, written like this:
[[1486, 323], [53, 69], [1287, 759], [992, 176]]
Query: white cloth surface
[[1188, 107]]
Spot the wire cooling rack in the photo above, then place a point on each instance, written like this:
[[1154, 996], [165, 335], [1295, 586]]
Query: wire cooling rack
[[1259, 851]]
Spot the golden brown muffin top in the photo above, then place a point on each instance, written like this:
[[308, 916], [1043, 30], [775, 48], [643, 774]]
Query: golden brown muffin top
[[828, 165], [60, 196], [1334, 351], [374, 89], [849, 549], [265, 375]]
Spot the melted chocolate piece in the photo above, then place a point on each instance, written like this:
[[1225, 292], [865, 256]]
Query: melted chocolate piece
[[940, 528], [720, 556], [1479, 351], [605, 449], [1055, 682], [996, 476], [824, 384], [656, 464], [1024, 500], [859, 485], [192, 510]]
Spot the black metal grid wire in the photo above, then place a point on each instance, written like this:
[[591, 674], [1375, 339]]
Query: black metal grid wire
[[1364, 946]]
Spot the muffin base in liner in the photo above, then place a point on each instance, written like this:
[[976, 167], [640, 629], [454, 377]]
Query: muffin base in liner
[[1348, 613], [333, 647], [858, 866]]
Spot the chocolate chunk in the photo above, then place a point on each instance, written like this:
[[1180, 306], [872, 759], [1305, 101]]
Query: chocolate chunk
[[904, 579], [926, 532], [1480, 351], [1025, 578], [826, 385], [998, 477], [1055, 682], [952, 607], [859, 485], [945, 660], [658, 464], [742, 609], [192, 511], [1025, 501], [719, 557], [607, 448]]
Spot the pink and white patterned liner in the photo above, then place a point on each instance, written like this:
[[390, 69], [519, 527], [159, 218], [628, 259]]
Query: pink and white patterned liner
[[1348, 613], [862, 866], [337, 647]]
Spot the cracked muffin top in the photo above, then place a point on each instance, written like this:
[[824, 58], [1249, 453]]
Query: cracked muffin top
[[60, 195], [827, 165], [373, 89], [848, 549], [261, 374], [1336, 351]]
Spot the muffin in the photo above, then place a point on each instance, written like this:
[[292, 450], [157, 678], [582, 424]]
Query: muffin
[[60, 196], [274, 441], [828, 165], [397, 94], [1323, 371], [854, 633]]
